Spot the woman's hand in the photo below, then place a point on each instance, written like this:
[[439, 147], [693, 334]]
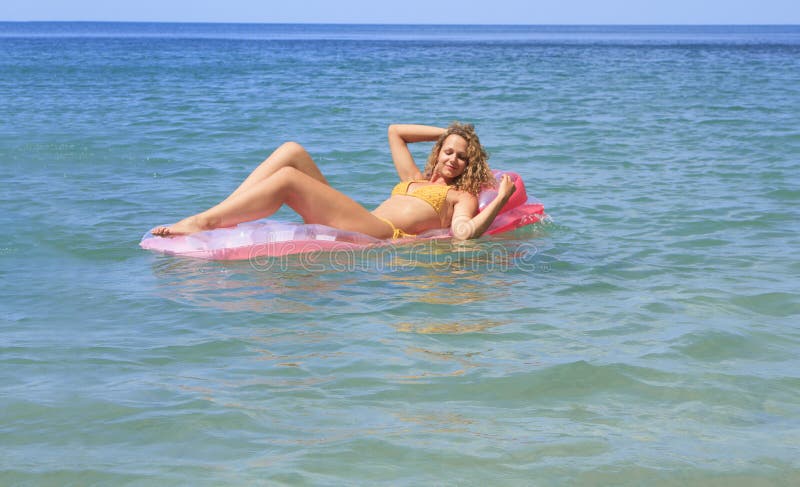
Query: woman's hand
[[506, 188]]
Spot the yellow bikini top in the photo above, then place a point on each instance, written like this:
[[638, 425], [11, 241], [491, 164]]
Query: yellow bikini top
[[433, 194]]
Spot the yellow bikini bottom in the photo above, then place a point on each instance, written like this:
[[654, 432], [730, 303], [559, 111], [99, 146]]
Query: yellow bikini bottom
[[396, 232]]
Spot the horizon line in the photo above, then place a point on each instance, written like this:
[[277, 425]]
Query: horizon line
[[401, 23]]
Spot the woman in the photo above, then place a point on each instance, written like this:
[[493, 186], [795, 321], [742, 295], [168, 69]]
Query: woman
[[444, 196]]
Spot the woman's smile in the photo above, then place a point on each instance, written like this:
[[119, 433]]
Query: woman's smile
[[453, 156]]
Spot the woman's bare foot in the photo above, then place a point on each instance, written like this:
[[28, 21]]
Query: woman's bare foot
[[183, 227]]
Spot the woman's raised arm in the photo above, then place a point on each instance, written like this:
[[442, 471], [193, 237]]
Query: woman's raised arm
[[400, 135]]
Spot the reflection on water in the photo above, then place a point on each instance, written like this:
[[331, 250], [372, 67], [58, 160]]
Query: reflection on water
[[433, 287], [235, 286], [434, 273], [348, 330], [448, 328], [438, 421], [454, 364]]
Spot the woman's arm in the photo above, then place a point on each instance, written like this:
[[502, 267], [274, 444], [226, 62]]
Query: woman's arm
[[399, 137], [464, 226]]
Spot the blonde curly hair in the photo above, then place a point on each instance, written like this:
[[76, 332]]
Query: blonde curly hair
[[476, 175]]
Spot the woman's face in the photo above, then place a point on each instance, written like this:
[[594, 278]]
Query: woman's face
[[452, 159]]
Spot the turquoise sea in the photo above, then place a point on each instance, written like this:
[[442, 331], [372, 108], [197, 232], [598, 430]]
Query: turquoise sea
[[647, 335]]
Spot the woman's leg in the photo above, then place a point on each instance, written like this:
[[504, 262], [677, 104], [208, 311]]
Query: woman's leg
[[312, 199], [290, 154]]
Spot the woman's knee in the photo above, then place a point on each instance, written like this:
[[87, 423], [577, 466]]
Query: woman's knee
[[293, 148], [294, 186]]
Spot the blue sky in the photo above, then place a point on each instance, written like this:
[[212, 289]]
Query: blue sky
[[413, 11]]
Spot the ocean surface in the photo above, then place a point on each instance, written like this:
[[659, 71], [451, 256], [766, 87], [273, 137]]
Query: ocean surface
[[648, 334]]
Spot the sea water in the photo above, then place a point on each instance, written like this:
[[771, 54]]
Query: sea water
[[646, 335]]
